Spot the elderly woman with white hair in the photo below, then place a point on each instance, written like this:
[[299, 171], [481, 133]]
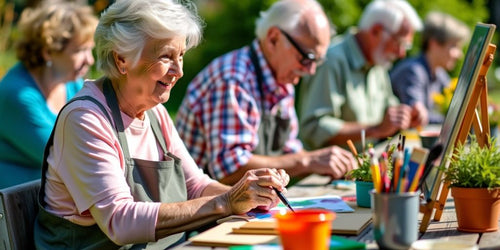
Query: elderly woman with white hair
[[115, 171]]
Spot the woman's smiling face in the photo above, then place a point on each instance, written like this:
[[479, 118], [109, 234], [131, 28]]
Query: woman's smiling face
[[156, 72]]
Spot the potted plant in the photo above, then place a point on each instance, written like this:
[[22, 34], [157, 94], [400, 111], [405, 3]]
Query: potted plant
[[474, 177], [362, 175], [363, 179]]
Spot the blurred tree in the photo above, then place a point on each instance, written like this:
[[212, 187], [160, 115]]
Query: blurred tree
[[6, 19]]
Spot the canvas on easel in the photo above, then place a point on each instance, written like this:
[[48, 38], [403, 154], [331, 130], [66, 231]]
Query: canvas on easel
[[468, 107]]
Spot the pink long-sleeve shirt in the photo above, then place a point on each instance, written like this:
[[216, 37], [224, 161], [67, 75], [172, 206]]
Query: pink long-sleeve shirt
[[85, 178]]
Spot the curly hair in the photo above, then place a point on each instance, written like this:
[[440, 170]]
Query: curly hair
[[51, 27]]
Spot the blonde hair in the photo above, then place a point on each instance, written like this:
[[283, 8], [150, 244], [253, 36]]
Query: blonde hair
[[51, 26]]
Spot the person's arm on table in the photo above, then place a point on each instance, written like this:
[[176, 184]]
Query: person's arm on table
[[107, 195], [253, 190], [231, 155], [332, 161], [396, 118]]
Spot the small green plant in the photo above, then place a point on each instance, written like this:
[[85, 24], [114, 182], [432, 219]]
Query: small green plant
[[474, 166], [363, 172]]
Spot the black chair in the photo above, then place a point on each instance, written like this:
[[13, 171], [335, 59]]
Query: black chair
[[18, 210]]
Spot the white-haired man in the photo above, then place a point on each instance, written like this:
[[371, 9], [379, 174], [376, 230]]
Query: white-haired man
[[351, 91]]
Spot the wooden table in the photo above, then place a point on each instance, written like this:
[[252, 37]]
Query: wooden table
[[445, 229]]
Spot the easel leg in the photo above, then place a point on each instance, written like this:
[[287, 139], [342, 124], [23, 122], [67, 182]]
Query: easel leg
[[442, 201], [426, 219]]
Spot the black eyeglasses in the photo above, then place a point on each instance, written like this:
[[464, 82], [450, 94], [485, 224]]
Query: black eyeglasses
[[307, 58], [400, 42]]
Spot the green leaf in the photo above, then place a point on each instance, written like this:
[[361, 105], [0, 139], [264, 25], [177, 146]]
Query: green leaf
[[474, 166]]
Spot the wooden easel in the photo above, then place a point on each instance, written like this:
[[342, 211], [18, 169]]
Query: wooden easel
[[473, 117]]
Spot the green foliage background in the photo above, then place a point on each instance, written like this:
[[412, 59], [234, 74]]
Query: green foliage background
[[229, 24]]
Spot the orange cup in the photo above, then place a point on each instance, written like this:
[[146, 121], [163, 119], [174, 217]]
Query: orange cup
[[305, 229]]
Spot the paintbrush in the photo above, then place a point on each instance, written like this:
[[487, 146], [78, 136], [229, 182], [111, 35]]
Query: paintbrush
[[283, 199]]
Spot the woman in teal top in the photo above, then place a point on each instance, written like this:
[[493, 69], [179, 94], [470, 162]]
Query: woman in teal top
[[54, 52]]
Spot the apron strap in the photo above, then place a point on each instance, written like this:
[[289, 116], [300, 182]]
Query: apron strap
[[112, 101], [260, 76], [155, 125], [50, 142], [263, 135]]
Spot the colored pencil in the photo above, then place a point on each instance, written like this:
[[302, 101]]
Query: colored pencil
[[376, 175]]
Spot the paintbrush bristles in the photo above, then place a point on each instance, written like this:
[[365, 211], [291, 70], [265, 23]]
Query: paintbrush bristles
[[419, 155]]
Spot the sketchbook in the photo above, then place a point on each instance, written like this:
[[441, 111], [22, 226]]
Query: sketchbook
[[222, 236], [344, 223], [348, 221], [260, 229]]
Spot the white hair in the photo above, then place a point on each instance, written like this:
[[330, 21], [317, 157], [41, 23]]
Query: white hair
[[284, 14], [389, 13], [126, 25]]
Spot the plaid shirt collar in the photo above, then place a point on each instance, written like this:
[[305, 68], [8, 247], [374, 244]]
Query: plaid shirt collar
[[273, 91]]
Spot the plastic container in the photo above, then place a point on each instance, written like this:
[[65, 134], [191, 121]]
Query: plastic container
[[305, 229]]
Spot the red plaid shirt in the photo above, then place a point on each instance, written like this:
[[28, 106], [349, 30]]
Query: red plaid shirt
[[221, 112]]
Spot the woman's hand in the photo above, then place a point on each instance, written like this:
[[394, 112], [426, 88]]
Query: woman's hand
[[255, 189]]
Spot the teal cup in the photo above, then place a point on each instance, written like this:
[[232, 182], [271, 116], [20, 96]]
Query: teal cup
[[363, 189], [395, 219], [428, 138]]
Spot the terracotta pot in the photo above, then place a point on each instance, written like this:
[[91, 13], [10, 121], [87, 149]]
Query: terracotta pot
[[477, 209]]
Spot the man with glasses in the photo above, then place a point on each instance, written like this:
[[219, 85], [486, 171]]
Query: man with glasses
[[238, 113], [351, 92]]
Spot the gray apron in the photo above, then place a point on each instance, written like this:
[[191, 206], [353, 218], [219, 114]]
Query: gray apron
[[149, 181], [273, 131]]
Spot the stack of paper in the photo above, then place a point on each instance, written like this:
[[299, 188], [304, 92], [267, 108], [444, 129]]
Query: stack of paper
[[262, 228]]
